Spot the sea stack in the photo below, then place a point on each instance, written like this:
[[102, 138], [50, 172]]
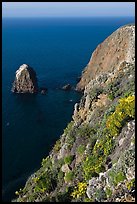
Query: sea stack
[[25, 80]]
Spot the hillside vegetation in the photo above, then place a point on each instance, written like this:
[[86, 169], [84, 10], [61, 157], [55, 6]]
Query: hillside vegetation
[[94, 159]]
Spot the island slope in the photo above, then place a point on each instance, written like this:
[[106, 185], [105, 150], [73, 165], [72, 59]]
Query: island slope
[[94, 159]]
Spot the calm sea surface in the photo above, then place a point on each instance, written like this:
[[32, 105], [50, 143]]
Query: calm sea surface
[[58, 49]]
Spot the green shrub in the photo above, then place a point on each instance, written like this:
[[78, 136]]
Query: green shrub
[[111, 96], [69, 176], [64, 196], [105, 145], [70, 140], [92, 166], [60, 175], [119, 177], [46, 162], [68, 128], [81, 149], [68, 159], [31, 198], [105, 117], [70, 134], [127, 93], [85, 131], [112, 89], [45, 182], [116, 177], [60, 162], [57, 146], [92, 142], [108, 192], [95, 92]]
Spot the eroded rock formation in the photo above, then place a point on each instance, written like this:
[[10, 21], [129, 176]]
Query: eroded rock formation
[[25, 80], [67, 87]]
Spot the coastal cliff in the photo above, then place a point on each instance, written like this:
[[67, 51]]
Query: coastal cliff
[[94, 159], [108, 55]]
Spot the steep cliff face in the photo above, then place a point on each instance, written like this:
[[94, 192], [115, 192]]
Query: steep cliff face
[[118, 47], [94, 159]]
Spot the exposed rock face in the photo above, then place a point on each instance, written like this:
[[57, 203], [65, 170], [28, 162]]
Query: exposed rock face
[[125, 164], [65, 168], [67, 87], [43, 91], [101, 136], [117, 48], [25, 80]]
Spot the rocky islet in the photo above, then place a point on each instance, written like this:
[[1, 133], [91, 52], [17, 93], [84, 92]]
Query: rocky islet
[[25, 80]]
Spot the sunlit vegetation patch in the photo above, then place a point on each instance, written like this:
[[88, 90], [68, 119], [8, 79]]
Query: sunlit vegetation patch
[[79, 190], [114, 121], [124, 111]]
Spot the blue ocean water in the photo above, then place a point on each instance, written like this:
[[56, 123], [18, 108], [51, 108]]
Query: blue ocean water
[[58, 49]]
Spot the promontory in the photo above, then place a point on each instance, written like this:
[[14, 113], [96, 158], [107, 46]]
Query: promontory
[[94, 159]]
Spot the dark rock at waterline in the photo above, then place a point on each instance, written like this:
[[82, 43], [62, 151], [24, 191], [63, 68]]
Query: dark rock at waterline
[[43, 90], [67, 87], [25, 80]]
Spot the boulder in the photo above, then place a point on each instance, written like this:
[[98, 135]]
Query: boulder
[[25, 80], [43, 91], [65, 168], [67, 87]]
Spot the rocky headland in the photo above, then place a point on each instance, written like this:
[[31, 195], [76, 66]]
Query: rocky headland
[[25, 80], [109, 55], [94, 159]]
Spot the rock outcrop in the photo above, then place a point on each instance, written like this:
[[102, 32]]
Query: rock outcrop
[[118, 47], [94, 159], [43, 90], [67, 87], [25, 80]]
